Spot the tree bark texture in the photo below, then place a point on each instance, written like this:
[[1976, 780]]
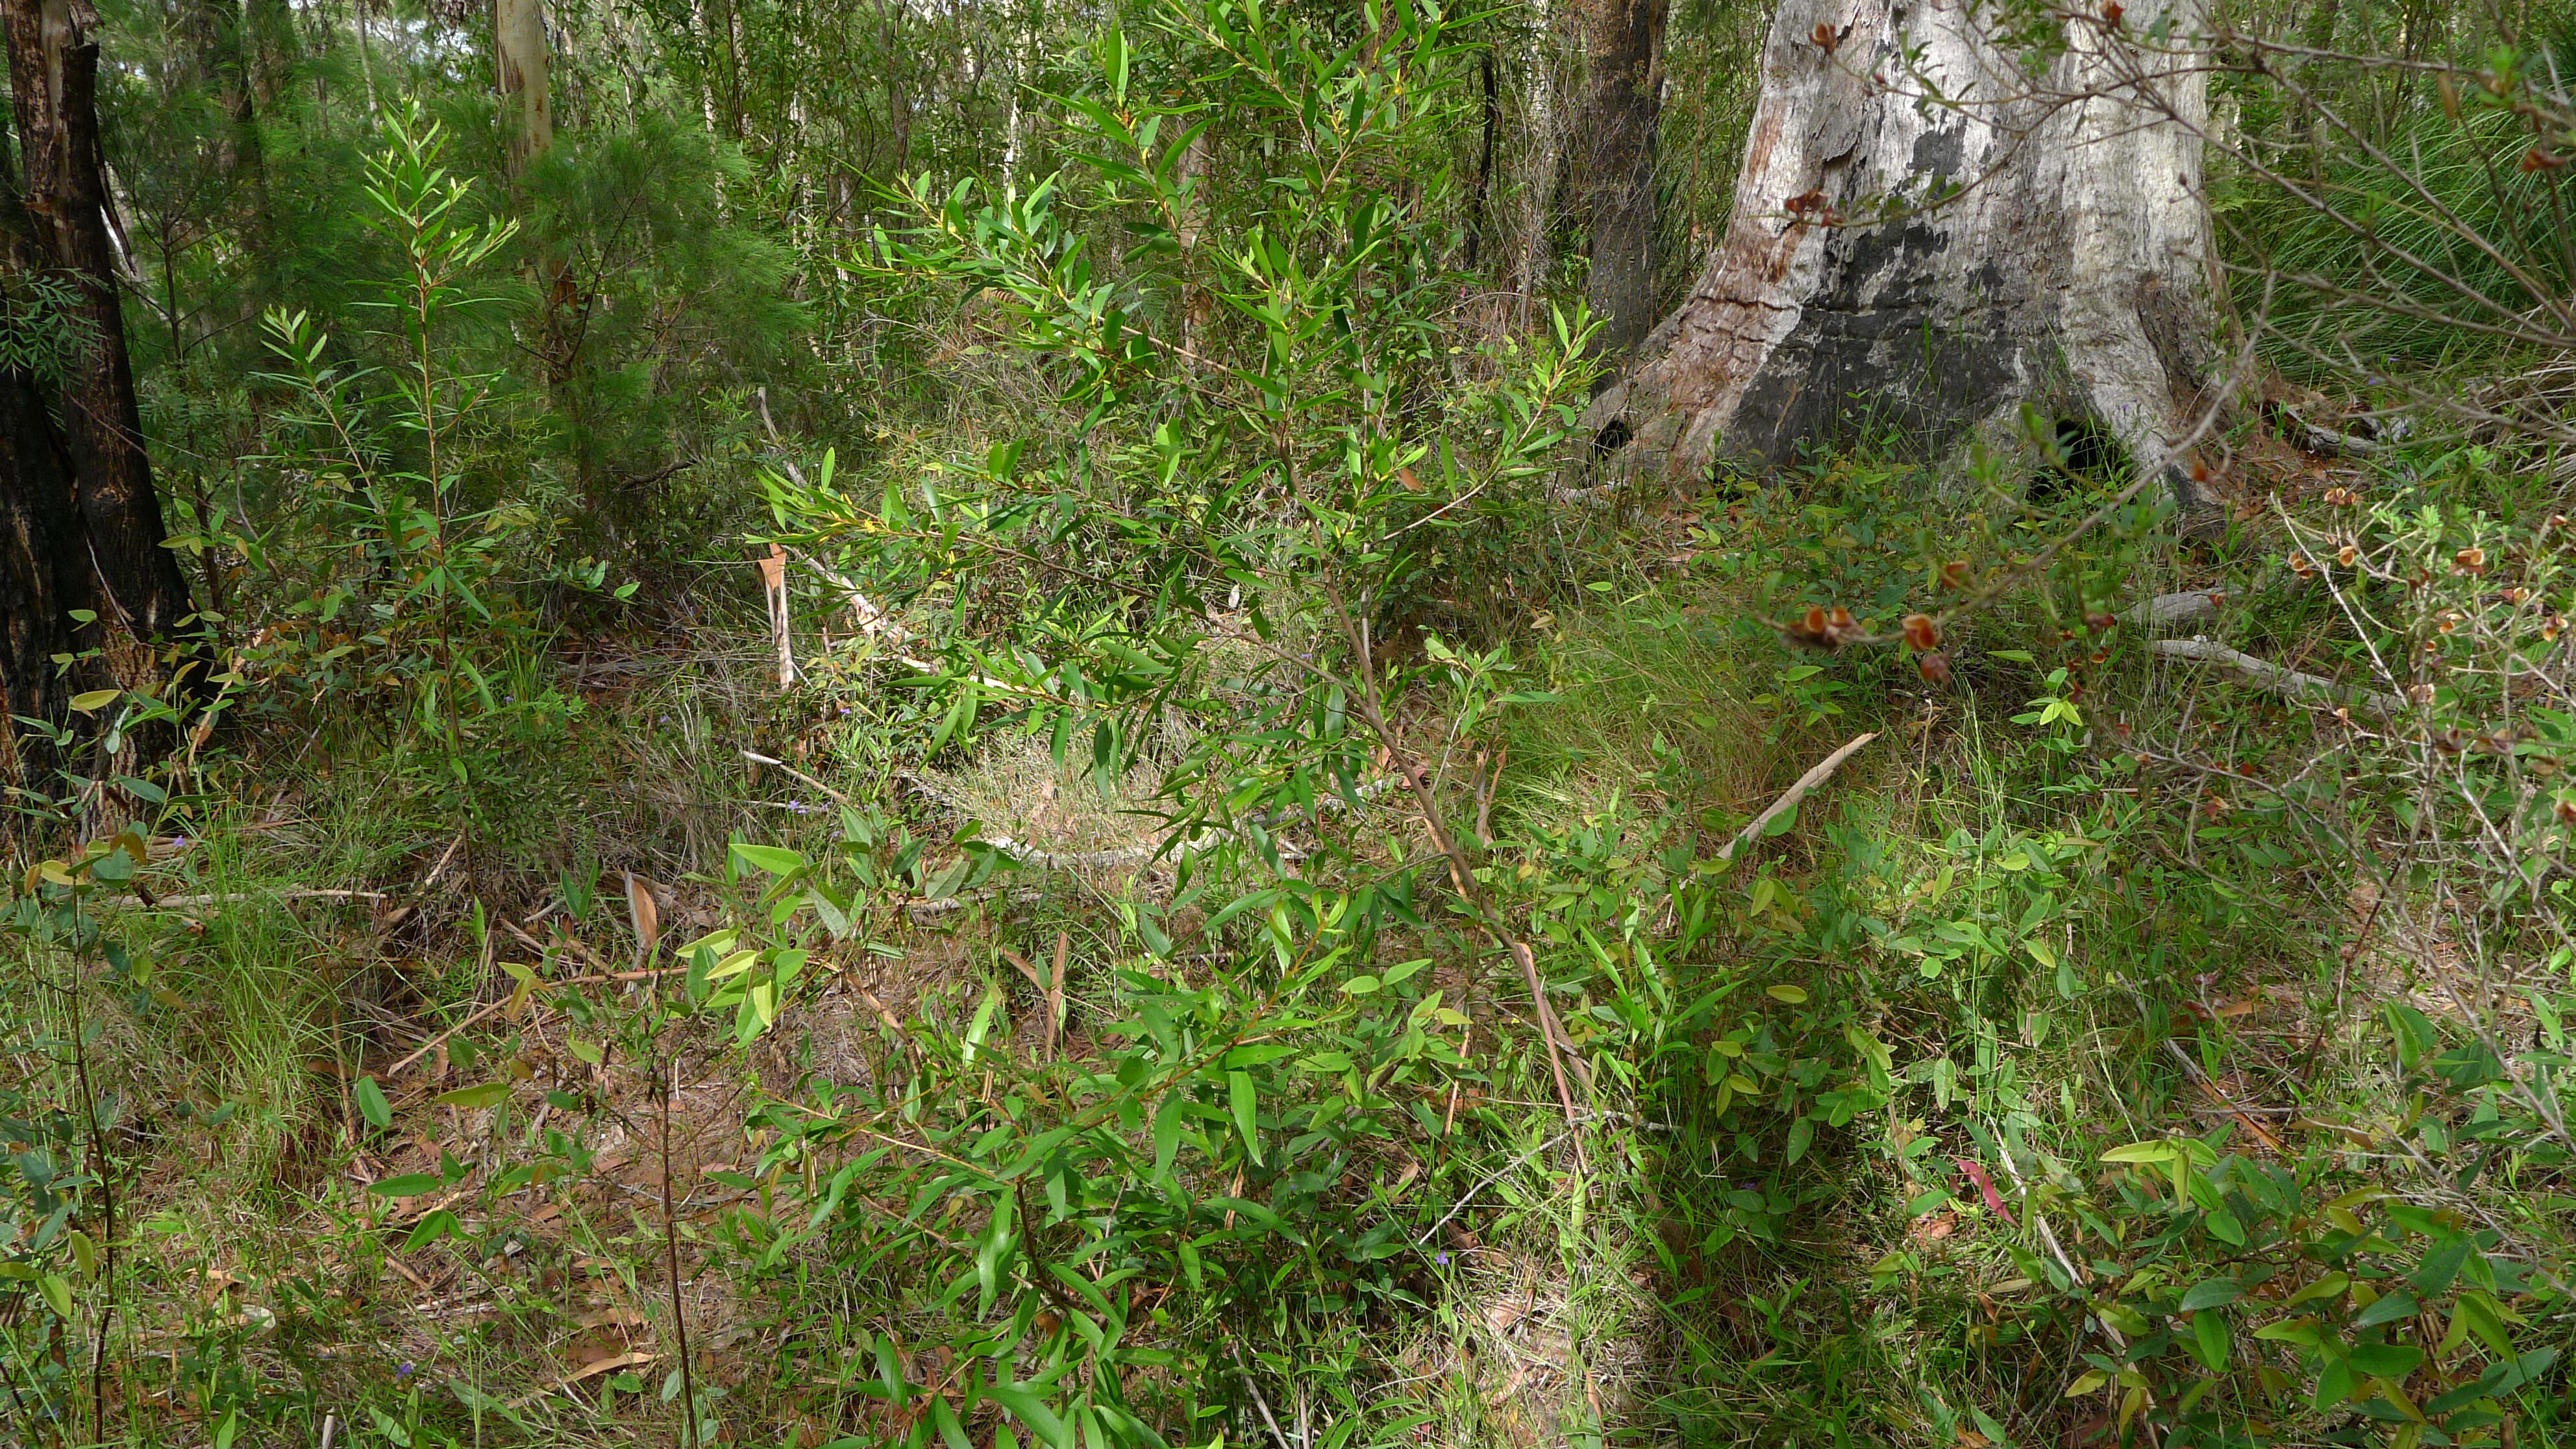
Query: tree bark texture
[[271, 51], [2067, 267], [521, 66], [1622, 101], [41, 577], [44, 549], [53, 68]]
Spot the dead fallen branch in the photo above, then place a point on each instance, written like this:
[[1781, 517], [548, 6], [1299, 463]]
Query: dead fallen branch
[[2172, 611], [1790, 797], [2314, 689], [235, 898]]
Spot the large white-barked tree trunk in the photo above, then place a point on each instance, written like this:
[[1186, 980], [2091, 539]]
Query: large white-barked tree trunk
[[2070, 268]]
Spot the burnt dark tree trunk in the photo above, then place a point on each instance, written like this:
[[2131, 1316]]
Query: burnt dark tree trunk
[[1481, 198], [43, 547], [53, 70]]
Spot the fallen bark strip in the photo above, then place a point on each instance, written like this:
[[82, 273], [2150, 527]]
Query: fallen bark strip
[[1790, 797], [2313, 689]]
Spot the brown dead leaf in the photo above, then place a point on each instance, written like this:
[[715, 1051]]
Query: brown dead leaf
[[644, 915], [2237, 1114], [588, 1371], [1933, 1227]]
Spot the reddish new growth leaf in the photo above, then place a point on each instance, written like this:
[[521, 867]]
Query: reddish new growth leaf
[[2537, 159], [1922, 632], [1976, 1172], [1825, 38], [2111, 13]]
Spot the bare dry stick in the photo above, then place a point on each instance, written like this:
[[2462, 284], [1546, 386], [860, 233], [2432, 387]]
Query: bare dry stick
[[1264, 1404], [593, 979], [1462, 874], [234, 898], [671, 1261], [2305, 688], [1790, 797]]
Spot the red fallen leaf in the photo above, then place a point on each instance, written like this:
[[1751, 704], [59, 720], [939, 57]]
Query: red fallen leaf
[[1977, 1174]]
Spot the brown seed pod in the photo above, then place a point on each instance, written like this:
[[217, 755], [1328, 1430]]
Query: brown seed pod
[[2471, 561], [1954, 574], [1922, 633], [1935, 668]]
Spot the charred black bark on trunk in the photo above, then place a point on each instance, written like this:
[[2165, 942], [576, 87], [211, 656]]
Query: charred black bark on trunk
[[53, 70], [1480, 198], [44, 549]]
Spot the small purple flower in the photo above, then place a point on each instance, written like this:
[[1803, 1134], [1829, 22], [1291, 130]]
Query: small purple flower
[[403, 1372], [1443, 1260]]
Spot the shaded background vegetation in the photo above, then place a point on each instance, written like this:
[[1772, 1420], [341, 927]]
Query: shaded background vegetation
[[1074, 1021]]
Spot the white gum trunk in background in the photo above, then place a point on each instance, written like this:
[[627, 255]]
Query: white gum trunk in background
[[2070, 273], [520, 63]]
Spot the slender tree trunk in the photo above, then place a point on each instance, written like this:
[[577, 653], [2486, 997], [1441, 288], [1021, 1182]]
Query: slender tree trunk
[[1622, 100], [1538, 190], [521, 65], [1491, 119], [271, 47], [2047, 245], [211, 32], [53, 67]]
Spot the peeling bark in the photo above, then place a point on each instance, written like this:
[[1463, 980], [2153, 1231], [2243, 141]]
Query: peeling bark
[[2068, 271]]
